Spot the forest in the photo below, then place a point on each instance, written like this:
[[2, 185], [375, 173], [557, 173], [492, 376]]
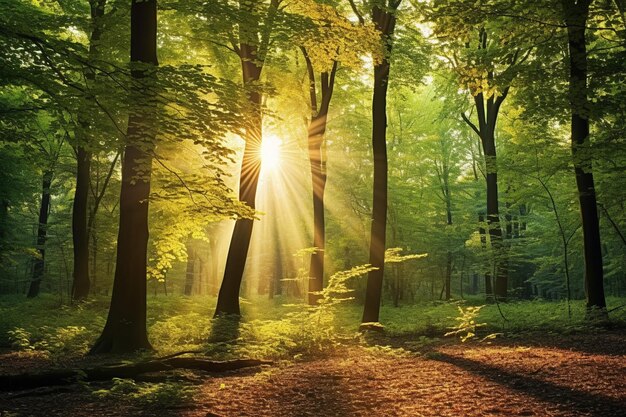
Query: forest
[[312, 208]]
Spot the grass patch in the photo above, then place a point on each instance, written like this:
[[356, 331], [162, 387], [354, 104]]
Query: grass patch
[[279, 328]]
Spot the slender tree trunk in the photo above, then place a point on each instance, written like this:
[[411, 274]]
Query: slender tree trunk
[[125, 329], [448, 274], [316, 138], [483, 244], [80, 231], [228, 298], [190, 272], [213, 279], [385, 21], [576, 14], [42, 230], [318, 178], [487, 111], [94, 261], [446, 192], [493, 216]]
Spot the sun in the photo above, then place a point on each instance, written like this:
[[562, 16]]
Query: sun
[[271, 152]]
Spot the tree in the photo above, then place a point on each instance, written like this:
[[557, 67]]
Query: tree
[[332, 40], [384, 18], [125, 329], [575, 14], [254, 42], [316, 132], [80, 227]]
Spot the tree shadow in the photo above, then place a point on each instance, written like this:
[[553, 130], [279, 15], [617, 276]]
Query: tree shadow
[[314, 394], [609, 343], [224, 335], [568, 399]]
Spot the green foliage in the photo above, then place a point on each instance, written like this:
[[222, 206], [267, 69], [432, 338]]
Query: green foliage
[[278, 330], [155, 395], [53, 341], [20, 339], [466, 327]]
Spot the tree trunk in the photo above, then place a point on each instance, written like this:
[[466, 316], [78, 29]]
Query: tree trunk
[[213, 279], [42, 230], [493, 215], [94, 261], [385, 21], [228, 297], [128, 370], [318, 178], [190, 272], [80, 231], [487, 111], [125, 329], [446, 193], [448, 274], [80, 234], [316, 138], [576, 14], [483, 244]]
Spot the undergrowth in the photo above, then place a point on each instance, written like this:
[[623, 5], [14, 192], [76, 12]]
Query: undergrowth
[[280, 328]]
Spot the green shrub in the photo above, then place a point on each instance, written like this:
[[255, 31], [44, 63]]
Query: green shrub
[[166, 394]]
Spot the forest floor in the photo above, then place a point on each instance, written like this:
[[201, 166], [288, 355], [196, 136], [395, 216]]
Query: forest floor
[[533, 374]]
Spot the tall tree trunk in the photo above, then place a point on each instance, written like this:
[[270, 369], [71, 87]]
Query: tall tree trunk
[[125, 329], [318, 178], [493, 214], [80, 234], [446, 194], [213, 270], [80, 231], [385, 21], [483, 244], [254, 41], [42, 230], [228, 297], [576, 14], [190, 272], [487, 111], [316, 138], [448, 274], [94, 261]]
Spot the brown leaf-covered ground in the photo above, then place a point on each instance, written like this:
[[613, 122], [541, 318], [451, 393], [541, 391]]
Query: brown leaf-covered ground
[[576, 375]]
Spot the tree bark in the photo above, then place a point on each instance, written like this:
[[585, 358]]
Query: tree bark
[[487, 113], [252, 50], [80, 234], [228, 297], [576, 14], [448, 274], [316, 138], [446, 193], [190, 272], [80, 231], [42, 230], [125, 329], [132, 370], [385, 21], [483, 244]]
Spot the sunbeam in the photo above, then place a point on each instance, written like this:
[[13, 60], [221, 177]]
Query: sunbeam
[[271, 149]]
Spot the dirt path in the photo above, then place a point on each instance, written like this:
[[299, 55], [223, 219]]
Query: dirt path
[[577, 376]]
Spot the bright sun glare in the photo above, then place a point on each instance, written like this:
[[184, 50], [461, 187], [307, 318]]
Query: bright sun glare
[[270, 152]]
